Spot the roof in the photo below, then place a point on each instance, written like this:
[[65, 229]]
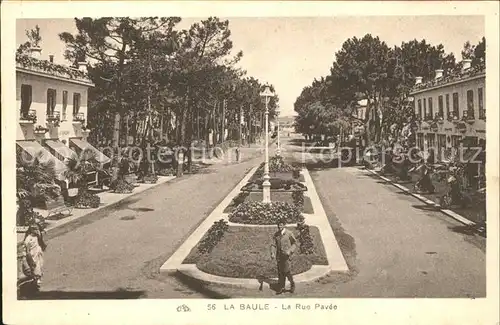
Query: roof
[[46, 68], [474, 72]]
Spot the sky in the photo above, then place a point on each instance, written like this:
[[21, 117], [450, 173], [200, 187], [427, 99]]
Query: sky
[[291, 52]]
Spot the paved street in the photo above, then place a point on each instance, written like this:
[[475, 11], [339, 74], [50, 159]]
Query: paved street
[[401, 248], [123, 250], [394, 246]]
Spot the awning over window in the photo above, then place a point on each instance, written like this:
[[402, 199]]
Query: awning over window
[[35, 149], [83, 145], [61, 149]]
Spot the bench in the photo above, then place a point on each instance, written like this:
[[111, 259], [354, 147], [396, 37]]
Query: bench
[[57, 206]]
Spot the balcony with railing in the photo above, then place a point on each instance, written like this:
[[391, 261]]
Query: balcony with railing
[[79, 118], [438, 117], [482, 114], [28, 117], [477, 70], [468, 116], [453, 116], [54, 117]]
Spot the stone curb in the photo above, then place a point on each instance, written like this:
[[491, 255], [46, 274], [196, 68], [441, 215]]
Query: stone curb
[[336, 261], [316, 272], [447, 212]]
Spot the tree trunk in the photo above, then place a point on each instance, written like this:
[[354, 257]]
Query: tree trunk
[[223, 130], [214, 126], [250, 126], [367, 123], [207, 133]]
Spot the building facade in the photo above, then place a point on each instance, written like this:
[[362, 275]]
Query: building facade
[[52, 109], [451, 113]]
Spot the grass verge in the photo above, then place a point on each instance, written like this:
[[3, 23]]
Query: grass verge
[[244, 252]]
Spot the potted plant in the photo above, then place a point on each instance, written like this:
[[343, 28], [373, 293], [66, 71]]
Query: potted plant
[[77, 170], [120, 169], [34, 180]]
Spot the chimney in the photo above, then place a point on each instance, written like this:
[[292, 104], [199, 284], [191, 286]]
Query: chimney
[[82, 66], [439, 74], [35, 52], [418, 80], [466, 64], [51, 58]]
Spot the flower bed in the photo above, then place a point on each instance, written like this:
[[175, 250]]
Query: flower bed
[[295, 175], [213, 236], [287, 197], [277, 184], [244, 252], [259, 213]]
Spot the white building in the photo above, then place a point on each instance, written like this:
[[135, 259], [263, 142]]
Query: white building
[[52, 109], [451, 116], [451, 110]]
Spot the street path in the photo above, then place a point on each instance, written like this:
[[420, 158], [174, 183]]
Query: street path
[[120, 253], [401, 247], [394, 245]]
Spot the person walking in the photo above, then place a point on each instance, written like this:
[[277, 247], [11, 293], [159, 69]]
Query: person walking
[[282, 249]]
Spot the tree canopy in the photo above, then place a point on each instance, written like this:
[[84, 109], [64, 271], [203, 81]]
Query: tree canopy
[[367, 68]]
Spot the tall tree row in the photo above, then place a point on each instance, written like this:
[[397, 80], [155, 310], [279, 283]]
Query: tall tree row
[[154, 81], [367, 68]]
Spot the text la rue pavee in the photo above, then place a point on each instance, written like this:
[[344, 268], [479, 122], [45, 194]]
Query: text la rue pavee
[[285, 306]]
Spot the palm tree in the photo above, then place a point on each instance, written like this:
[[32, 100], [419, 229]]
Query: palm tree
[[34, 180], [76, 172]]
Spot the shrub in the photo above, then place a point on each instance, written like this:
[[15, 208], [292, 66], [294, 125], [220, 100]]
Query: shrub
[[26, 216], [296, 173], [122, 186], [240, 198], [150, 179], [266, 213], [166, 172], [213, 236], [87, 200], [277, 165], [298, 199], [306, 245]]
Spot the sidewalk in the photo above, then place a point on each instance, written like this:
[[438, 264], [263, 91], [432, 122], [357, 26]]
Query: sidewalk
[[430, 202], [109, 199]]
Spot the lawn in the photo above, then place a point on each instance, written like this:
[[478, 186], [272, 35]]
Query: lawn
[[475, 212], [244, 252], [275, 197]]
